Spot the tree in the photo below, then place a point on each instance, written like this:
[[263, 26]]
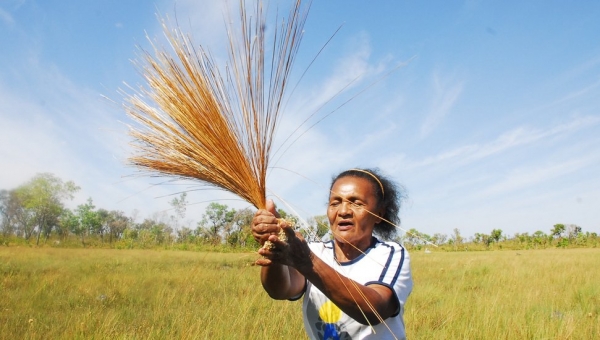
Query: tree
[[180, 204], [185, 235], [573, 231], [117, 223], [439, 239], [558, 230], [22, 218], [522, 237], [318, 227], [104, 216], [240, 230], [214, 220], [153, 230], [417, 238], [10, 207], [456, 238], [43, 196], [161, 233], [539, 238], [89, 220], [68, 222], [496, 235], [483, 238]]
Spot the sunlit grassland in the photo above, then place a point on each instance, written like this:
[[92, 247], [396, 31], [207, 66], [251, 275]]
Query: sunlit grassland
[[541, 294], [137, 294], [140, 294]]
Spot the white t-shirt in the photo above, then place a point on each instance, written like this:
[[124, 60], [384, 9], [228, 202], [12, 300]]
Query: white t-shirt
[[384, 263]]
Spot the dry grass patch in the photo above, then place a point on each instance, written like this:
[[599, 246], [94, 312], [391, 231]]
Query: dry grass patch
[[544, 294], [48, 293]]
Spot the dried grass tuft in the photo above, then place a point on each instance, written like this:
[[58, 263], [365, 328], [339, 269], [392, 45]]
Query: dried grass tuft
[[193, 122]]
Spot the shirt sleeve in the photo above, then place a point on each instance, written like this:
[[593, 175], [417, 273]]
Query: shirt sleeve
[[396, 273], [402, 278]]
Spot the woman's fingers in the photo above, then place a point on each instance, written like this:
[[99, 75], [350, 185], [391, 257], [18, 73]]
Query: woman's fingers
[[263, 262], [271, 208], [264, 224], [289, 231], [270, 256]]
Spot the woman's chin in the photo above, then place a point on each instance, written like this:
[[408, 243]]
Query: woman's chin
[[344, 237]]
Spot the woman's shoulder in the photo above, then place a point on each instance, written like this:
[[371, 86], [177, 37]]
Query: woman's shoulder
[[391, 250], [387, 244]]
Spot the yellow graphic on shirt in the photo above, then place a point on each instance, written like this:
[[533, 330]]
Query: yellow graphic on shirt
[[330, 314]]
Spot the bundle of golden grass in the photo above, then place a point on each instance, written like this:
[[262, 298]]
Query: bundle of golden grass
[[196, 123]]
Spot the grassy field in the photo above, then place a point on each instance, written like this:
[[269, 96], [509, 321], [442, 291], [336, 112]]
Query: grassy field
[[534, 294], [49, 293]]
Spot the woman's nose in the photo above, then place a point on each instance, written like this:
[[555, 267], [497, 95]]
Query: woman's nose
[[345, 208]]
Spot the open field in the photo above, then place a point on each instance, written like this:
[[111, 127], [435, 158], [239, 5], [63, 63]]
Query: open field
[[49, 293], [531, 294]]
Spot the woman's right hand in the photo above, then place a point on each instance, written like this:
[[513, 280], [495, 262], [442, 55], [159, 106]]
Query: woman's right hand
[[265, 223]]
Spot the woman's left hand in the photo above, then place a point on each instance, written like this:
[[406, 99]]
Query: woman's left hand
[[293, 252]]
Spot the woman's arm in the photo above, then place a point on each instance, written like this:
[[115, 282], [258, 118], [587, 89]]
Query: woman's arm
[[279, 281], [282, 282], [289, 263], [368, 305]]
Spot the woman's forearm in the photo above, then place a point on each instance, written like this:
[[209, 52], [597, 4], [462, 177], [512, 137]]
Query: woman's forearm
[[364, 304], [281, 282]]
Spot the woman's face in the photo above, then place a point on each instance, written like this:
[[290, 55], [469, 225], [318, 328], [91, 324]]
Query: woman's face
[[350, 201]]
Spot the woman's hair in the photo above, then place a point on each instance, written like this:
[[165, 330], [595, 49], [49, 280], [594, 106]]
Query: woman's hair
[[389, 197]]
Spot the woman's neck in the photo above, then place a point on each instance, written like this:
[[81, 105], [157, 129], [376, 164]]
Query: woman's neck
[[345, 252]]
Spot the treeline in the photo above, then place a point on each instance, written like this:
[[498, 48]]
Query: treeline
[[35, 213], [560, 235]]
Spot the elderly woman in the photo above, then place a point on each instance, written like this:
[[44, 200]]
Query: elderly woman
[[354, 287]]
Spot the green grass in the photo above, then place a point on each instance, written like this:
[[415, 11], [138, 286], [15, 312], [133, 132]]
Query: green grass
[[136, 294], [50, 293], [543, 294]]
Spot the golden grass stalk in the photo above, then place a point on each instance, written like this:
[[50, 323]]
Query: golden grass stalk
[[195, 123]]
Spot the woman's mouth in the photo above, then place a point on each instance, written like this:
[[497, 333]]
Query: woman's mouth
[[345, 225]]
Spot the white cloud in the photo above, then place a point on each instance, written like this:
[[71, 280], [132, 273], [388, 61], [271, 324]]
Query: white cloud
[[6, 18], [57, 126], [509, 140], [204, 21], [444, 97], [525, 177], [576, 94]]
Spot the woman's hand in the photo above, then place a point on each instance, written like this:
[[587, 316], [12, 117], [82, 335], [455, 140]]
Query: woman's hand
[[266, 226], [293, 252], [265, 223]]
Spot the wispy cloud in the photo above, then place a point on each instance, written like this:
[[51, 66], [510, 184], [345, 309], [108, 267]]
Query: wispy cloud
[[445, 96], [576, 94], [54, 125], [521, 178], [511, 139], [350, 69], [203, 20], [585, 68], [6, 18], [307, 106]]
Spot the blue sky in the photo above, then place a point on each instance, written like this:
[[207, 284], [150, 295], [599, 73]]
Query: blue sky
[[492, 119]]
